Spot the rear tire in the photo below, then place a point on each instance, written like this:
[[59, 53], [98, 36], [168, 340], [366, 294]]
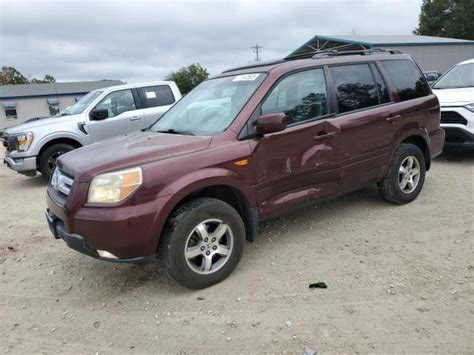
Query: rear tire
[[203, 242], [405, 176], [47, 159]]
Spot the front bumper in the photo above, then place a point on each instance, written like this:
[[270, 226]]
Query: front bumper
[[458, 122], [128, 232], [458, 138], [25, 166], [76, 242]]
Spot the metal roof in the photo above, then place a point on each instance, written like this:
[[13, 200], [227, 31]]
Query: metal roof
[[54, 89], [364, 42]]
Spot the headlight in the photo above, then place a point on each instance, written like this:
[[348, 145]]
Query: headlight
[[115, 186], [24, 141], [470, 106]]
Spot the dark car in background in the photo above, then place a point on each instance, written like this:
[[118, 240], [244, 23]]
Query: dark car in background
[[431, 76], [242, 147]]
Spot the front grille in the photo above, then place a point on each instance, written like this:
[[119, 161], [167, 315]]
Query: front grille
[[452, 117], [10, 143], [61, 182]]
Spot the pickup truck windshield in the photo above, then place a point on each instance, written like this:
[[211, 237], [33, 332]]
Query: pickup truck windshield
[[211, 107], [461, 76], [81, 105]]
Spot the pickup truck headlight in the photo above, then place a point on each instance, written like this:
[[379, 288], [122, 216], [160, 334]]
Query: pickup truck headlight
[[470, 106], [115, 186], [24, 141]]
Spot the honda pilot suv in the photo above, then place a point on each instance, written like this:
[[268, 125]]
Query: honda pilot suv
[[243, 147]]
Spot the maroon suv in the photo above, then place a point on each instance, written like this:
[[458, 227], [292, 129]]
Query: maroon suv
[[244, 146]]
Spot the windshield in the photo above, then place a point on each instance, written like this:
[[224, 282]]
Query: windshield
[[81, 105], [211, 107], [461, 76]]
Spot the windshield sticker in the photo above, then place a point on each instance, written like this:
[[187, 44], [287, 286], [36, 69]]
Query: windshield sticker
[[150, 95], [246, 77]]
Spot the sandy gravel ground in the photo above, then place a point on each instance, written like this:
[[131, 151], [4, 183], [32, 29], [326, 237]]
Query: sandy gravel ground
[[400, 279]]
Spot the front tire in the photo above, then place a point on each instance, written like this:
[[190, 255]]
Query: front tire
[[47, 159], [203, 242], [405, 176]]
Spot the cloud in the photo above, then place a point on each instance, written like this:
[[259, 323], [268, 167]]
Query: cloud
[[145, 40]]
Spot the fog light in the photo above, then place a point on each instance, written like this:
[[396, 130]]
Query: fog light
[[106, 254]]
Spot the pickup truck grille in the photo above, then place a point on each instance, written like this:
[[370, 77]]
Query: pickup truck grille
[[452, 117], [10, 143]]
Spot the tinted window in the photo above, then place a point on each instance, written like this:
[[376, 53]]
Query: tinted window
[[409, 82], [117, 102], [157, 95], [355, 87], [302, 96]]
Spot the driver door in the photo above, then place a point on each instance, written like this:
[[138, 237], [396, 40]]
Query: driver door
[[299, 163], [123, 116]]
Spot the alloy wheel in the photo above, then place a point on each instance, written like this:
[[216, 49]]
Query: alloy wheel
[[409, 174], [209, 246]]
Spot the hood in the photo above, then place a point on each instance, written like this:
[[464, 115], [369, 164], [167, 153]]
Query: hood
[[128, 151], [30, 126], [454, 97]]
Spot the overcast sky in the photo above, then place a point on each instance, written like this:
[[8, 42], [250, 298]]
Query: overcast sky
[[144, 40]]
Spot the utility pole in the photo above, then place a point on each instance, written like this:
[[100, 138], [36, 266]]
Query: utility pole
[[256, 50]]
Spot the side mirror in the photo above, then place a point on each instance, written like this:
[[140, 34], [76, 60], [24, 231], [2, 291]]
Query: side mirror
[[99, 114], [271, 123]]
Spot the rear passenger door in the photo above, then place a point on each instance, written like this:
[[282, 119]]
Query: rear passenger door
[[156, 100], [363, 106]]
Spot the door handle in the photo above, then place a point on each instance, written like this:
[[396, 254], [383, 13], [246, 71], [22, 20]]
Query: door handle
[[393, 118], [323, 136], [135, 118]]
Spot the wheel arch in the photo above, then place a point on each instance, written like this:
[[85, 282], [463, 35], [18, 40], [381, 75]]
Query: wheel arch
[[421, 143], [76, 144], [225, 189]]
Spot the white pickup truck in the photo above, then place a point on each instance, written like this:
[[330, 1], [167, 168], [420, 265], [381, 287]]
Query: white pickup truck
[[101, 114]]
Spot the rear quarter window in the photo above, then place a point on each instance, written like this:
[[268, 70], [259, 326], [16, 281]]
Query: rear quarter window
[[408, 81], [160, 95]]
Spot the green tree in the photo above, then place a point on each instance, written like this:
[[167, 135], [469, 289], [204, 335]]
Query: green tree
[[447, 18], [187, 78], [11, 76], [48, 78]]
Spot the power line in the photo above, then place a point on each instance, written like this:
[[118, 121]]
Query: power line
[[256, 50]]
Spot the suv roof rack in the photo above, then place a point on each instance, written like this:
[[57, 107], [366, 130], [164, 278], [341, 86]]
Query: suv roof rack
[[315, 55], [334, 52], [256, 65]]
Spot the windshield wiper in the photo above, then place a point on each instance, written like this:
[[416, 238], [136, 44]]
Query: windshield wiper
[[175, 131]]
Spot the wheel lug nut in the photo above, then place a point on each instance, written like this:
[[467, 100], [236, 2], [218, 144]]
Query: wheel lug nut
[[208, 252], [213, 239], [202, 248], [205, 239], [214, 247]]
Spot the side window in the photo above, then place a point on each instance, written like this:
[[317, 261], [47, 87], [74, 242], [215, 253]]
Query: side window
[[409, 82], [302, 96], [157, 95], [117, 102], [355, 87]]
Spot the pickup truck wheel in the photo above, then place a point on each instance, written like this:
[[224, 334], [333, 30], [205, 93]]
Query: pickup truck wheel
[[405, 176], [47, 159], [203, 242]]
